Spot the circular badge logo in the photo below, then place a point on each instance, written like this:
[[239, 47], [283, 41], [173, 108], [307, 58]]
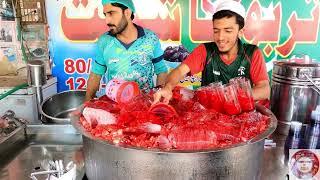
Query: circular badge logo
[[304, 164]]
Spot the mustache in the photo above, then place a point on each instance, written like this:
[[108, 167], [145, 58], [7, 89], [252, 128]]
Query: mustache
[[111, 25]]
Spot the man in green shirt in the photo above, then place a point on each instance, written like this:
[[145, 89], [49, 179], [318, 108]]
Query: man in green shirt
[[224, 58]]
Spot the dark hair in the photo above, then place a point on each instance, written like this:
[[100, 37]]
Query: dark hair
[[226, 13], [123, 7]]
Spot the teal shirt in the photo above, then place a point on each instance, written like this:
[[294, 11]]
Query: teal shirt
[[138, 61]]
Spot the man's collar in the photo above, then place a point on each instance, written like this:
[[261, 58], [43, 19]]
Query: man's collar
[[140, 30]]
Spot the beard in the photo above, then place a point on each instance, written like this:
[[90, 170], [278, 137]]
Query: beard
[[120, 27]]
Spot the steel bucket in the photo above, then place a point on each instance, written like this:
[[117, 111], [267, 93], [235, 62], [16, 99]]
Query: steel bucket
[[106, 161], [57, 108], [294, 94]]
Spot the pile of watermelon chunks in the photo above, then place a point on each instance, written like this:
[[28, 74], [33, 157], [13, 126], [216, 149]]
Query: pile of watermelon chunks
[[183, 124]]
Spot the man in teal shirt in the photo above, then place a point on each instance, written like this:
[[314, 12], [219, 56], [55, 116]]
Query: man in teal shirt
[[127, 51]]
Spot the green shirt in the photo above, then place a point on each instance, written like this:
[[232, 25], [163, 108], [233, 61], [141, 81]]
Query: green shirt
[[217, 71]]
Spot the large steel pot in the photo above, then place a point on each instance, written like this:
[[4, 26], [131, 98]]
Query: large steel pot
[[57, 108], [106, 161], [293, 95]]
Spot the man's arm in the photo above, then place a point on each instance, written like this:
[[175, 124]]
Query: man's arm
[[92, 86], [98, 69], [172, 80], [261, 90], [259, 77], [161, 79]]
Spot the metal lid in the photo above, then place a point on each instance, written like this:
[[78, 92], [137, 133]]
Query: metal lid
[[296, 70]]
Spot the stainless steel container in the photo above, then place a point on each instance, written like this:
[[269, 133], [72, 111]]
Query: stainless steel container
[[36, 73], [106, 161], [57, 108], [293, 95]]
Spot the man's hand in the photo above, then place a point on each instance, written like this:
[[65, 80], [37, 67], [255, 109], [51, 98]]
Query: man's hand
[[161, 79], [164, 93], [92, 86], [172, 80]]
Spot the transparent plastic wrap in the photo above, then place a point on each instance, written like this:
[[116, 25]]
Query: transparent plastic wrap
[[244, 93], [193, 138], [231, 104], [211, 97]]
